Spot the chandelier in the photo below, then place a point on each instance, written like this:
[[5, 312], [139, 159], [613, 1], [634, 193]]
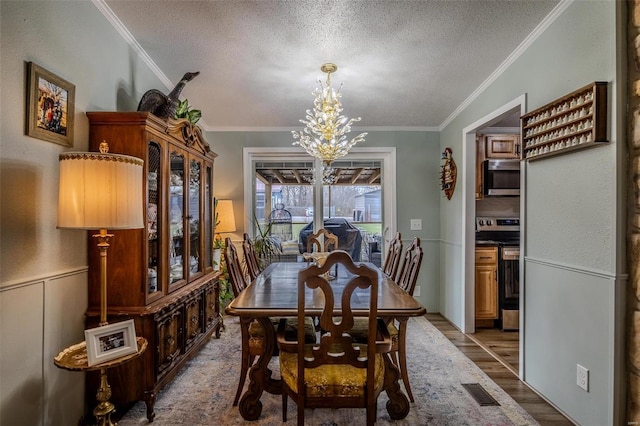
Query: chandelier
[[328, 176], [325, 133]]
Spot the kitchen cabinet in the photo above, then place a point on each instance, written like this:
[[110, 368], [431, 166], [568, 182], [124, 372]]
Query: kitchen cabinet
[[486, 282], [502, 146], [162, 275], [494, 146]]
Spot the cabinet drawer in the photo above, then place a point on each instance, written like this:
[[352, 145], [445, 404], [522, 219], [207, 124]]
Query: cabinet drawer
[[486, 255], [210, 304], [193, 319], [169, 339]]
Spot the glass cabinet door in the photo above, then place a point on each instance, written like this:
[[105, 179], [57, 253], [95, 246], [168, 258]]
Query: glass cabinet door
[[195, 194], [208, 220], [153, 207], [177, 250]]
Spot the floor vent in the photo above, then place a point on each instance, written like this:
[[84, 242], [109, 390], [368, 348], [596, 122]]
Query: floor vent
[[480, 394]]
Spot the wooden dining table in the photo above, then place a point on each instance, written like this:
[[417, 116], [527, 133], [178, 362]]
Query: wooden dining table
[[274, 293]]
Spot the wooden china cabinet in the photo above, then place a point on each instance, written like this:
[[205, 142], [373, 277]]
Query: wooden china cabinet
[[162, 275]]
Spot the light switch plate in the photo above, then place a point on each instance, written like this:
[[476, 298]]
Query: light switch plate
[[416, 224]]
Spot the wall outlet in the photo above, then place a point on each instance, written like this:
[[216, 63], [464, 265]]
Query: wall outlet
[[583, 377], [416, 291], [416, 224]]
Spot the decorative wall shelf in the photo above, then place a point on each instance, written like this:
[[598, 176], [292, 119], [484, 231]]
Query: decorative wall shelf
[[573, 122]]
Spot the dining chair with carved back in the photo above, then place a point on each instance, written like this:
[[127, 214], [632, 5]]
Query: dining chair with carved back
[[238, 283], [394, 254], [322, 241], [252, 333], [406, 279], [335, 372], [250, 257]]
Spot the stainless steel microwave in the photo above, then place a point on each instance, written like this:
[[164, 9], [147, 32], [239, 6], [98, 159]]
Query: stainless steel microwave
[[501, 177]]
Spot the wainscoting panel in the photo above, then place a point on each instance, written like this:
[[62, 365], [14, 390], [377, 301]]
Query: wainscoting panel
[[39, 318], [569, 321], [21, 375]]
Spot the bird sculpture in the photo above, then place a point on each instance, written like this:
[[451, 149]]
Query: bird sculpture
[[161, 105]]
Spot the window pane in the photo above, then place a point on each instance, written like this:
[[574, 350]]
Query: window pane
[[284, 198]]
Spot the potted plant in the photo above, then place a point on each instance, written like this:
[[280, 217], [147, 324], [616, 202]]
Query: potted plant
[[185, 111], [265, 246]]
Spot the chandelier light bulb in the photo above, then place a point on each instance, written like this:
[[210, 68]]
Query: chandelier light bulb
[[325, 133]]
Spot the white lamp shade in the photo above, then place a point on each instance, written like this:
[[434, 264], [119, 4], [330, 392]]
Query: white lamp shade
[[224, 212], [100, 191]]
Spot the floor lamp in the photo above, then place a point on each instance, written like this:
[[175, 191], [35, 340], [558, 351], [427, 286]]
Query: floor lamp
[[100, 191]]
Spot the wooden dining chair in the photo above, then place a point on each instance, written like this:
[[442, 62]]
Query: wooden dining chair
[[250, 257], [408, 275], [322, 241], [394, 254], [407, 278], [250, 343], [252, 333], [336, 372]]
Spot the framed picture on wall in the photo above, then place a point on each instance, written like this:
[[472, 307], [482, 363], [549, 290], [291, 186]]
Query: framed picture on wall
[[50, 106], [110, 341]]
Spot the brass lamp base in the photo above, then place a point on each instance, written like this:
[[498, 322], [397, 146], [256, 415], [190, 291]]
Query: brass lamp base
[[103, 410]]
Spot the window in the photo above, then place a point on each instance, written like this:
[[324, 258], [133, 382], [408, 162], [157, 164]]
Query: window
[[279, 184]]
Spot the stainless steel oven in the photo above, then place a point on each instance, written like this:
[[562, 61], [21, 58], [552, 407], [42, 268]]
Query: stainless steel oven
[[505, 233], [501, 177]]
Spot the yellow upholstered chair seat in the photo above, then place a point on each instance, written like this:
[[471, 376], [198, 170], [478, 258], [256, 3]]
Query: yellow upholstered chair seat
[[331, 380]]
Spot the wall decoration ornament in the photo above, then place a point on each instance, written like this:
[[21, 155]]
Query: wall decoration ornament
[[50, 106], [448, 173]]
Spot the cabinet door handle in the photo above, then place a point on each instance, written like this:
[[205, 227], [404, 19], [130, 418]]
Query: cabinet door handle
[[485, 257]]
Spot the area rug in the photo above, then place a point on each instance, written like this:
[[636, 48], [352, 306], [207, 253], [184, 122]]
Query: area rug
[[202, 393]]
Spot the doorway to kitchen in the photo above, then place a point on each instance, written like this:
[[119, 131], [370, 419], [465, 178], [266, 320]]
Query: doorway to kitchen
[[497, 217]]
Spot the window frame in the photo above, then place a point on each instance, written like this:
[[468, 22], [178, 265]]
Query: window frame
[[387, 155]]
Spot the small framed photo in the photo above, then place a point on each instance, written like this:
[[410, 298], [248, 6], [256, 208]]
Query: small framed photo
[[50, 106], [110, 341]]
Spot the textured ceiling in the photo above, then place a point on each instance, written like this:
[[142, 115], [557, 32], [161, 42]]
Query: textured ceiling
[[403, 63]]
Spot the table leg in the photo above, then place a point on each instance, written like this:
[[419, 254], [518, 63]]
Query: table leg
[[260, 376], [398, 404]]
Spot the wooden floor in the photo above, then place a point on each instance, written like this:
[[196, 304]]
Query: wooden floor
[[502, 343]]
